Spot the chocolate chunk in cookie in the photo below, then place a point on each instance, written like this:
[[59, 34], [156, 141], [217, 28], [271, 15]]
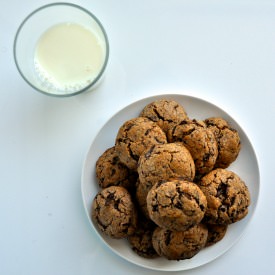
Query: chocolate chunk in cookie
[[165, 112], [179, 245], [135, 136], [176, 204], [228, 139], [114, 212], [199, 140], [111, 172], [227, 197]]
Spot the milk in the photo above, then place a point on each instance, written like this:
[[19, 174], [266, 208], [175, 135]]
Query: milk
[[68, 57]]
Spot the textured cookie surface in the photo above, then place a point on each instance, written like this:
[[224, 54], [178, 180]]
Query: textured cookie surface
[[165, 161], [228, 139], [134, 136], [179, 245], [164, 112], [216, 232], [176, 204], [114, 212], [227, 196], [110, 171], [199, 140], [141, 240]]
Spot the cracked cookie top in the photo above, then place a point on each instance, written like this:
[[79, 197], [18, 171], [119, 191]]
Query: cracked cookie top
[[114, 212], [135, 136], [165, 161], [199, 140], [110, 171], [164, 112], [227, 196], [228, 140], [179, 245], [176, 204]]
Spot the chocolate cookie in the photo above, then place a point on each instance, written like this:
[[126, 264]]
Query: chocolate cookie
[[164, 112], [110, 171], [114, 212], [176, 204], [228, 139], [134, 136], [165, 161], [141, 240], [227, 197], [199, 140], [216, 232], [179, 245]]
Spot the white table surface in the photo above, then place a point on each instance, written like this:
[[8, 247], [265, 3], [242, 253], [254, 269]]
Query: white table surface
[[221, 51]]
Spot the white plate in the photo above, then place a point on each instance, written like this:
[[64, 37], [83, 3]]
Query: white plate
[[245, 166]]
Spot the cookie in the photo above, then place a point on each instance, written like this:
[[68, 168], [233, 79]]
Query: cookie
[[216, 232], [141, 240], [111, 172], [176, 204], [134, 136], [141, 196], [165, 161], [179, 245], [199, 140], [114, 212], [227, 197], [228, 139], [164, 112]]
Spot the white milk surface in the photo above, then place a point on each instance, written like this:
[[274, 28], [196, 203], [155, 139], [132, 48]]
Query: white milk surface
[[68, 57]]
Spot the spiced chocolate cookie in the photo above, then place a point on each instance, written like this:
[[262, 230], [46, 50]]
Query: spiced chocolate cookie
[[228, 139], [165, 161], [134, 136], [216, 232], [199, 140], [179, 245], [176, 204], [164, 112], [227, 197], [114, 212], [110, 171], [141, 240]]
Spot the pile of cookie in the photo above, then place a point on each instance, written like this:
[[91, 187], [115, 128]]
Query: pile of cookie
[[165, 186]]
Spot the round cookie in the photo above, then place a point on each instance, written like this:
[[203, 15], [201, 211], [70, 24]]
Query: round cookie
[[165, 161], [227, 197], [179, 245], [114, 212], [228, 139], [164, 112], [216, 232], [134, 136], [199, 140], [176, 204], [141, 240], [110, 171]]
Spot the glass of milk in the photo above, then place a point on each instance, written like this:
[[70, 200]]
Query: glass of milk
[[61, 49]]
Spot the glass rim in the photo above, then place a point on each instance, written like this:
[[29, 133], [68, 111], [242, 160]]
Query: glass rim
[[107, 48]]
